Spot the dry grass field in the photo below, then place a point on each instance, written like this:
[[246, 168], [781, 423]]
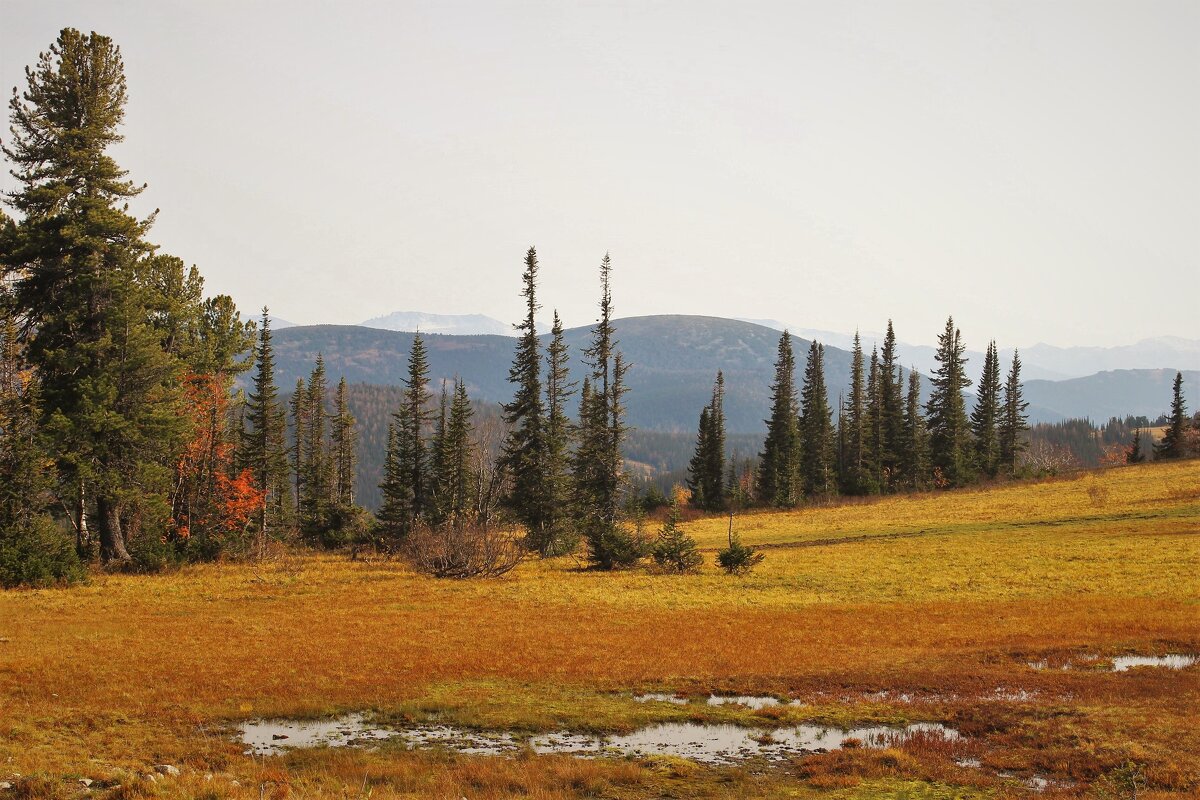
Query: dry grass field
[[923, 608]]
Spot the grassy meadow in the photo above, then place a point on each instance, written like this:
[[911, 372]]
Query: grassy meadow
[[921, 608]]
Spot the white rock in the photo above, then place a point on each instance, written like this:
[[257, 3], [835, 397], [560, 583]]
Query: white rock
[[85, 782], [5, 786], [167, 769]]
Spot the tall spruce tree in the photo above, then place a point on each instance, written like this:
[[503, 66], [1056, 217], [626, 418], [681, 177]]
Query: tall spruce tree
[[437, 509], [524, 455], [264, 450], [891, 410], [778, 468], [456, 484], [597, 464], [914, 467], [706, 470], [817, 471], [406, 483], [874, 443], [298, 408], [949, 429], [345, 442], [110, 393], [985, 418], [560, 537], [1013, 421], [853, 431], [1174, 441], [317, 483]]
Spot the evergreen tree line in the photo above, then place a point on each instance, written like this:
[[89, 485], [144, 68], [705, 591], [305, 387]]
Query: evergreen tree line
[[561, 480], [884, 438]]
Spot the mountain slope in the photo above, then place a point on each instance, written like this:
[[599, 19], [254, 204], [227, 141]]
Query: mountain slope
[[674, 361], [1115, 393]]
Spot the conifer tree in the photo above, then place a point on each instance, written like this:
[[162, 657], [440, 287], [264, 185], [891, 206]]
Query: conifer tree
[[406, 485], [891, 410], [673, 550], [706, 470], [949, 428], [1013, 422], [524, 456], [1174, 441], [915, 465], [986, 416], [853, 431], [436, 509], [345, 442], [264, 451], [597, 463], [457, 445], [298, 407], [698, 465], [873, 444], [316, 486], [110, 392], [778, 469], [816, 428], [32, 550], [1135, 454], [560, 536]]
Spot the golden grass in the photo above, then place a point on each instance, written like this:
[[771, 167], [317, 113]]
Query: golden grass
[[943, 597]]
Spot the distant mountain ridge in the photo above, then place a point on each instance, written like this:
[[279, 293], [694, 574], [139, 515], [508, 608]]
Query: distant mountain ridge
[[453, 324], [1040, 361]]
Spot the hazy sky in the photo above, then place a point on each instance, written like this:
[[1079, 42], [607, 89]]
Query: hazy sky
[[1031, 167]]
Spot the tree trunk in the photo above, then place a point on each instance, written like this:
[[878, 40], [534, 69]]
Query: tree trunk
[[83, 538], [112, 538]]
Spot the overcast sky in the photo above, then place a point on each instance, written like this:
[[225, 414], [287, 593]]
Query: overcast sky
[[1031, 167]]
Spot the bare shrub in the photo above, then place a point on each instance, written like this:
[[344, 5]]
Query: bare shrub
[[462, 551]]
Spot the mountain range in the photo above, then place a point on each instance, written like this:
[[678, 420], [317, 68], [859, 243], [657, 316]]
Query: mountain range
[[675, 359], [1039, 361]]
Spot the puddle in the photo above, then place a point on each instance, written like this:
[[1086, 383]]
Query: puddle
[[724, 744], [658, 697], [1175, 661], [754, 702], [745, 700], [709, 744], [1123, 663]]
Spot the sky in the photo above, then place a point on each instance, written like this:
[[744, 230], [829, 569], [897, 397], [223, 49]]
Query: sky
[[1030, 167]]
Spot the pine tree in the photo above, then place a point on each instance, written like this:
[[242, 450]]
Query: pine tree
[[673, 550], [597, 464], [456, 470], [854, 430], [1135, 454], [264, 451], [317, 484], [949, 428], [891, 410], [560, 535], [406, 485], [706, 470], [986, 416], [714, 471], [698, 465], [437, 509], [915, 466], [1174, 441], [524, 455], [873, 443], [1013, 422], [110, 393], [816, 428], [778, 469], [298, 408], [32, 550], [345, 442]]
